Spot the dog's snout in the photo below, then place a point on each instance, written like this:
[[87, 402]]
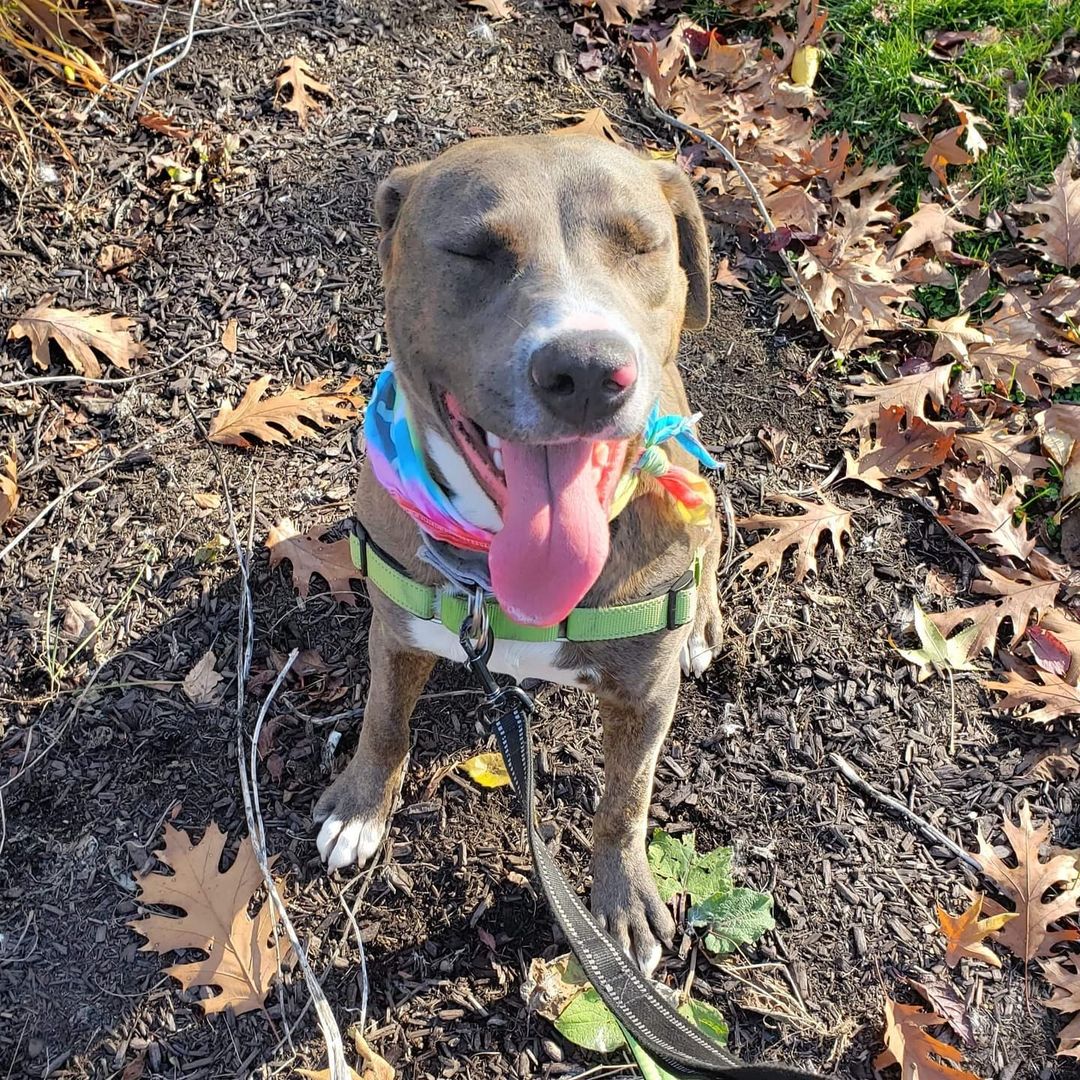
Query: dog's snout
[[584, 377]]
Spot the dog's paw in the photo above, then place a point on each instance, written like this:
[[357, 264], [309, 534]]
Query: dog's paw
[[703, 644], [351, 833], [627, 905]]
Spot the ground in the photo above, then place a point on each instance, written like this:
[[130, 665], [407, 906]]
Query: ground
[[449, 914]]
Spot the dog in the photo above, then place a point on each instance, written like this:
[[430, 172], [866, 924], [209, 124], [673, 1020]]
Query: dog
[[536, 289]]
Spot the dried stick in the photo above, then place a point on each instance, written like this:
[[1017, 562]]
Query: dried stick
[[733, 161], [931, 832]]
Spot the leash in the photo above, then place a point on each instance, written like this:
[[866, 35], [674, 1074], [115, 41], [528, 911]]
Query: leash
[[669, 1038]]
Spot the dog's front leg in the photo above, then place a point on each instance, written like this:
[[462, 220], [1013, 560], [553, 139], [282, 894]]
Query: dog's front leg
[[355, 809], [624, 894]]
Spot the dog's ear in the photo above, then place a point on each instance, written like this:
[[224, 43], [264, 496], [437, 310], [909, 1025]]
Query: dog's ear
[[693, 242], [389, 198]]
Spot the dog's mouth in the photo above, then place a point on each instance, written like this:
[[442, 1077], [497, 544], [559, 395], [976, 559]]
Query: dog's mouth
[[554, 499]]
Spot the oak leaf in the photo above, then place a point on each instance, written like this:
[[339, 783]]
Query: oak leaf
[[910, 393], [202, 683], [1049, 651], [946, 1002], [1066, 999], [998, 448], [919, 1054], [81, 337], [899, 453], [1054, 697], [955, 337], [726, 278], [1019, 597], [971, 122], [295, 76], [497, 9], [612, 15], [944, 150], [595, 122], [802, 531], [1060, 429], [292, 414], [1027, 884], [9, 486], [936, 652], [1067, 631], [965, 933], [1057, 236], [310, 554], [241, 959], [930, 224], [646, 59], [990, 521]]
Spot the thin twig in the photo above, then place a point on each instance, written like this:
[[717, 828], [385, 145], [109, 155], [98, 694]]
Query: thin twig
[[185, 42], [70, 490], [759, 202], [931, 832], [149, 71]]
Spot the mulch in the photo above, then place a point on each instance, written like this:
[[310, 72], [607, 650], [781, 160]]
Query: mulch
[[450, 916]]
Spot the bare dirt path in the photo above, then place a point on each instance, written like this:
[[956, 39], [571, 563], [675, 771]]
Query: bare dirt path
[[450, 918]]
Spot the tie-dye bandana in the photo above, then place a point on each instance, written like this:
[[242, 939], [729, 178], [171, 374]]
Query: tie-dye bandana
[[400, 466]]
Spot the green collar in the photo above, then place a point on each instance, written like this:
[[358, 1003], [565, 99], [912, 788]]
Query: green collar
[[668, 609]]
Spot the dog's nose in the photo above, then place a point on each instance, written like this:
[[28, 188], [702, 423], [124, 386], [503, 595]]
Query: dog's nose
[[584, 377]]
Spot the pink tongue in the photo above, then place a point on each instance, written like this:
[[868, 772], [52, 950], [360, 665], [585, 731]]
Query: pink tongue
[[554, 539]]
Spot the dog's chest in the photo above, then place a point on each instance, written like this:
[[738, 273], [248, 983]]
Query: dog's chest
[[518, 659]]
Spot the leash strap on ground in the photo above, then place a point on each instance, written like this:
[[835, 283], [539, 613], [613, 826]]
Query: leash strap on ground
[[633, 998]]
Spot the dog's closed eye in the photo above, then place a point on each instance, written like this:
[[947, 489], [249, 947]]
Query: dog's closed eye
[[635, 236], [482, 247]]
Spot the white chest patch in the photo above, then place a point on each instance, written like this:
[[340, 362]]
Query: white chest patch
[[518, 659]]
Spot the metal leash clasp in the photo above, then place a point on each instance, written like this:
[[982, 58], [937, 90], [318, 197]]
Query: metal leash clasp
[[478, 642]]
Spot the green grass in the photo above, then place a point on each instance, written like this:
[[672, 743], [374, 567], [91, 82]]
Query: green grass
[[868, 83], [874, 47]]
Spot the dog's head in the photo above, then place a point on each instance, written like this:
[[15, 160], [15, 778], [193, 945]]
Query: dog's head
[[535, 287]]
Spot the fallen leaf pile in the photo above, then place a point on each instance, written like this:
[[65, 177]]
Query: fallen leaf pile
[[241, 960], [953, 409]]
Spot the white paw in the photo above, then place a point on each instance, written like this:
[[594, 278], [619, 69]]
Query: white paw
[[648, 959], [695, 656], [349, 843]]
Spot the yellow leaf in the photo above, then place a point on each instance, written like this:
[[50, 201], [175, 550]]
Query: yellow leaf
[[487, 770], [804, 67], [660, 155]]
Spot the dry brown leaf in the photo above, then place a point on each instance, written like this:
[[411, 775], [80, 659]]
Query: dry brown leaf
[[164, 125], [1019, 598], [998, 448], [910, 393], [1067, 630], [228, 336], [295, 76], [374, 1066], [944, 150], [930, 224], [726, 278], [990, 522], [292, 414], [9, 486], [1054, 697], [202, 684], [80, 622], [898, 454], [802, 531], [1054, 763], [955, 337], [612, 10], [1027, 884], [1066, 999], [1058, 235], [80, 336], [646, 59], [1060, 428], [497, 9], [946, 1002], [206, 500], [241, 959], [309, 554], [971, 122], [909, 1045], [595, 122], [965, 933]]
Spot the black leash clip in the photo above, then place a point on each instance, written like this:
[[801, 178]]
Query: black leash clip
[[498, 700]]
